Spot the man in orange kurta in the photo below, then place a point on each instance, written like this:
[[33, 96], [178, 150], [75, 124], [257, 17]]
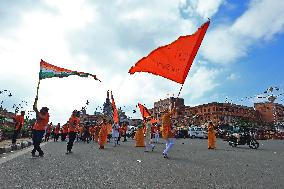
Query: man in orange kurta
[[211, 136], [56, 132], [96, 133], [103, 133], [124, 130], [168, 132], [42, 119], [64, 132], [48, 132], [139, 137], [19, 122], [92, 132], [74, 123]]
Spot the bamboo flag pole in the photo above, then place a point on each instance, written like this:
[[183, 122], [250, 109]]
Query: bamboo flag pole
[[37, 90], [180, 90]]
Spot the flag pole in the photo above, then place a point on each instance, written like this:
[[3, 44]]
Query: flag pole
[[180, 90], [37, 90]]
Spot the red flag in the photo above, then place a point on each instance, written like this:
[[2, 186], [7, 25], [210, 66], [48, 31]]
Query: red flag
[[115, 113], [173, 61], [144, 111]]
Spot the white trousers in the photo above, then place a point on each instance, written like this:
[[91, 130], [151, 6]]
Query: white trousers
[[169, 144], [148, 145], [157, 137]]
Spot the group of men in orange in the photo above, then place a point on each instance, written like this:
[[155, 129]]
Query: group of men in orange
[[99, 133], [168, 133], [144, 133]]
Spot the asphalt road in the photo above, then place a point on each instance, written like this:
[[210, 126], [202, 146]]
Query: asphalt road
[[191, 165]]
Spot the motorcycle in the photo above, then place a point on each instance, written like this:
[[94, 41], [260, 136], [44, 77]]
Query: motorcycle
[[244, 139]]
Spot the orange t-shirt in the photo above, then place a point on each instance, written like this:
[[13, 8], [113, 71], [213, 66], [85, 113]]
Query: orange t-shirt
[[19, 121], [73, 124], [65, 129], [41, 123], [48, 129], [56, 130]]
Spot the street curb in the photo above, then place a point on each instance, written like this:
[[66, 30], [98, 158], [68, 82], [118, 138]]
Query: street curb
[[19, 146]]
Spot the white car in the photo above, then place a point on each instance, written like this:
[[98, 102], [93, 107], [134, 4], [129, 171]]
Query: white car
[[197, 132]]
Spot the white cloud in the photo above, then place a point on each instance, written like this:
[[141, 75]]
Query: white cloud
[[233, 76], [203, 80], [260, 22], [203, 8]]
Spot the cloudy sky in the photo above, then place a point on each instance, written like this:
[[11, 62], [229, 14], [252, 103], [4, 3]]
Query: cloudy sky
[[241, 55]]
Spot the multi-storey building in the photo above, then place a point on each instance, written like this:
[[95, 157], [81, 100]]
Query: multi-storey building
[[221, 113], [270, 112], [163, 105]]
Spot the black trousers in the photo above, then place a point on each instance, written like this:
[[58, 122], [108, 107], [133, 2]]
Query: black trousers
[[56, 136], [37, 138], [15, 135], [124, 137], [47, 135], [63, 136], [72, 137]]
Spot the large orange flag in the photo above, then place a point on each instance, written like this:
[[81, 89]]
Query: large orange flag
[[173, 61], [115, 113]]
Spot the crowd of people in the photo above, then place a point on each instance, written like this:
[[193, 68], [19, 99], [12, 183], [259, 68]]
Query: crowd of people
[[102, 131]]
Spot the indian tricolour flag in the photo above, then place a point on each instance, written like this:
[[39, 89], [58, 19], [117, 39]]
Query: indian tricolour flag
[[48, 71]]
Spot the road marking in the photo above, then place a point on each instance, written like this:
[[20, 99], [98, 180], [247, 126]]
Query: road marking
[[17, 154]]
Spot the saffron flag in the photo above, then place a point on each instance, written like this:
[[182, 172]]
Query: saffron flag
[[48, 71], [115, 113], [174, 60], [144, 111]]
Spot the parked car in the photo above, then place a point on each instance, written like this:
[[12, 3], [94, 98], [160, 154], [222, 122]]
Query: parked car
[[181, 133], [197, 132], [130, 133]]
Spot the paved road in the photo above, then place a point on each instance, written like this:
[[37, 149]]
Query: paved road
[[190, 165]]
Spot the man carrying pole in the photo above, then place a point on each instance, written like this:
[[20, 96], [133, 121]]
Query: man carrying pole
[[42, 119], [74, 123], [168, 132]]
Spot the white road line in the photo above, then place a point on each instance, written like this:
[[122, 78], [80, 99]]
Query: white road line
[[13, 155]]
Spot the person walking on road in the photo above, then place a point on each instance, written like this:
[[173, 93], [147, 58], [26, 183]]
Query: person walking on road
[[168, 132], [115, 133], [211, 136], [19, 122], [47, 132], [64, 132], [56, 132], [42, 119], [124, 131], [139, 137], [148, 134], [103, 132], [74, 123]]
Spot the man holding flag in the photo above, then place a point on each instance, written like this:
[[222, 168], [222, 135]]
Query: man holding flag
[[74, 123], [168, 132], [42, 119], [148, 134]]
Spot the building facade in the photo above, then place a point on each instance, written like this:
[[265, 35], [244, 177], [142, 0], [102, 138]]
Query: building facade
[[219, 113], [270, 112]]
